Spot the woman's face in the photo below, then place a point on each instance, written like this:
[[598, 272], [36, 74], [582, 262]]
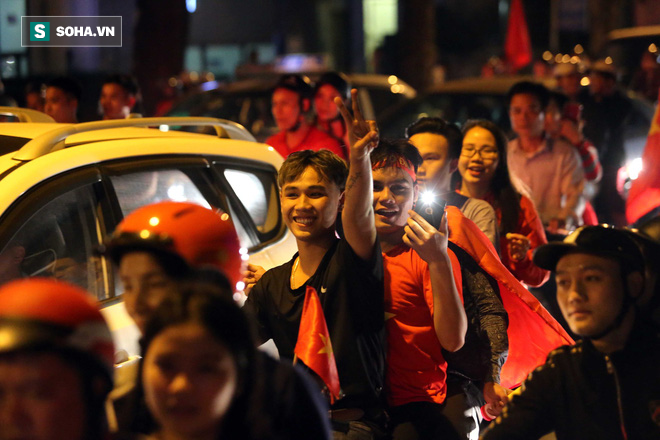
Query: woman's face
[[324, 102], [190, 380], [472, 165]]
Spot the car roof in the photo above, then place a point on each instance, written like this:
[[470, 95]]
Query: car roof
[[68, 146], [264, 84], [496, 85], [634, 32]]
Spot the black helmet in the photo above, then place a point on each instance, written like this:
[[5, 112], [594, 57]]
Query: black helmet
[[295, 83], [602, 240], [336, 80]]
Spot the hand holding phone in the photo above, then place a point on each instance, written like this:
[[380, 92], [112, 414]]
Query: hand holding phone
[[432, 210]]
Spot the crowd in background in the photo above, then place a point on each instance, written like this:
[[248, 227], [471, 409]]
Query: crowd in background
[[414, 261]]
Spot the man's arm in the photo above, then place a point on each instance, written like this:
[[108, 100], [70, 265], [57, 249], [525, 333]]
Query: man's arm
[[252, 307], [572, 187], [449, 320], [357, 215], [529, 413]]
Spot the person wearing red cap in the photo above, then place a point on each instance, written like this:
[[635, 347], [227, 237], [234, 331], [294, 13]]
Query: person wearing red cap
[[607, 386], [290, 103], [56, 362], [157, 248]]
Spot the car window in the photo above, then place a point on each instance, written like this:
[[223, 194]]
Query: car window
[[59, 240], [137, 189], [143, 188], [258, 194]]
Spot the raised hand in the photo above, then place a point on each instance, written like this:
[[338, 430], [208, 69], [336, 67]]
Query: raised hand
[[362, 134], [517, 246]]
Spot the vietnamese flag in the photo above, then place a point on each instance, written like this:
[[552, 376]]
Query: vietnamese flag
[[517, 46], [313, 347], [644, 194]]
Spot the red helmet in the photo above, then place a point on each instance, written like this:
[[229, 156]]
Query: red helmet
[[46, 314], [200, 236]]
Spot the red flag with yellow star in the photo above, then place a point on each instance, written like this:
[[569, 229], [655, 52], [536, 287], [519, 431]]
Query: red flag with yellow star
[[313, 347], [644, 194]]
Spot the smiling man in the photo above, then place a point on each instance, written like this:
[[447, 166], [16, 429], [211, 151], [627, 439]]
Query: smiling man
[[347, 274], [607, 386]]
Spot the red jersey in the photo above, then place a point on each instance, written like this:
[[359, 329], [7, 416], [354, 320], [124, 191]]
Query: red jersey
[[416, 369], [314, 140]]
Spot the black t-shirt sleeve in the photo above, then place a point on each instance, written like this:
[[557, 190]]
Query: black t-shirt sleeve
[[255, 309]]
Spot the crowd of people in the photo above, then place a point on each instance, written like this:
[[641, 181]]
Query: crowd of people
[[423, 323], [60, 98]]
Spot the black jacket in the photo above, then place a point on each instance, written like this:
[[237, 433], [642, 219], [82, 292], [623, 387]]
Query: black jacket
[[581, 393]]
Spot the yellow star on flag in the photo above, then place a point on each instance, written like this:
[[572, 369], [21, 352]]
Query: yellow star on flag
[[389, 315], [327, 348]]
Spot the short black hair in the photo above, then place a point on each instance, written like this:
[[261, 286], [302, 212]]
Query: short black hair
[[539, 91], [448, 130], [126, 82], [558, 98], [390, 150], [68, 85], [324, 162]]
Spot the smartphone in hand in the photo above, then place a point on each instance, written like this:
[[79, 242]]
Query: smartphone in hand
[[431, 209]]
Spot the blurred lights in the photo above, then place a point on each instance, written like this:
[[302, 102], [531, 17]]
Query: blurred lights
[[194, 76], [153, 221], [224, 217], [191, 5], [177, 193], [240, 286], [608, 60], [144, 234], [547, 55], [558, 58], [634, 167], [428, 197], [578, 49], [164, 128], [243, 251], [392, 79], [245, 257], [575, 59], [566, 58], [653, 48], [173, 82], [584, 81], [396, 88]]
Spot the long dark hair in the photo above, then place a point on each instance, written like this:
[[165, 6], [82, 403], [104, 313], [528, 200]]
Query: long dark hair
[[506, 198], [215, 311]]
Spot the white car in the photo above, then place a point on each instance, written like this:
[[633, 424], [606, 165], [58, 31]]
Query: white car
[[64, 188]]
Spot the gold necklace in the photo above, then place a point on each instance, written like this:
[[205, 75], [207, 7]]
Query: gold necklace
[[293, 272]]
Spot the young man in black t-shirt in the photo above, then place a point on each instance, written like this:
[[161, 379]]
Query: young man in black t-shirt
[[347, 273]]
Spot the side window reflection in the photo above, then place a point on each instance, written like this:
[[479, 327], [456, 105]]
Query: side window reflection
[[58, 241]]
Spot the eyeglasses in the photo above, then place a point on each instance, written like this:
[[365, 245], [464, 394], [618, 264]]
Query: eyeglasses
[[488, 154]]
